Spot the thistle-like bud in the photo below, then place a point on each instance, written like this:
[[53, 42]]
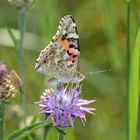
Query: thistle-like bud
[[7, 85]]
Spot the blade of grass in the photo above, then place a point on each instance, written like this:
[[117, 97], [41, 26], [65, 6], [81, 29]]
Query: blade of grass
[[22, 133], [127, 64], [133, 89], [12, 36], [128, 31]]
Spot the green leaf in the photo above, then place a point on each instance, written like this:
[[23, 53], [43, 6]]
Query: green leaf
[[12, 36], [22, 133], [33, 120], [133, 90]]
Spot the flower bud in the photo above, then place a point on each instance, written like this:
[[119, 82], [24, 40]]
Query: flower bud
[[7, 84]]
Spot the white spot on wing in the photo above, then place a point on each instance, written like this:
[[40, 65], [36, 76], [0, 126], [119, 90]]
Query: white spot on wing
[[73, 36]]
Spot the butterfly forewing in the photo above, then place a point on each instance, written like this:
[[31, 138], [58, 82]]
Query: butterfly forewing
[[67, 36]]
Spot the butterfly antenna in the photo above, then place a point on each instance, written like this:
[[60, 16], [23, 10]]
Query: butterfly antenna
[[101, 71]]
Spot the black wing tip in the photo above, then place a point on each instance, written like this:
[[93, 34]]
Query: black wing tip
[[76, 30]]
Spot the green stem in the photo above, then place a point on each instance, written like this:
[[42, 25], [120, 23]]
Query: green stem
[[62, 133], [128, 62], [20, 54], [61, 136], [2, 120], [46, 130]]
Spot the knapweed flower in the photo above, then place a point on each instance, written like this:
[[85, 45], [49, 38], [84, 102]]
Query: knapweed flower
[[64, 105], [7, 88]]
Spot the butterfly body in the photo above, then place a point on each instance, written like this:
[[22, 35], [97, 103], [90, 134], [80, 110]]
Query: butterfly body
[[60, 59]]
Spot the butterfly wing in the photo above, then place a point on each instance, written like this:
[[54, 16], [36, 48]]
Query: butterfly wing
[[67, 36], [60, 59]]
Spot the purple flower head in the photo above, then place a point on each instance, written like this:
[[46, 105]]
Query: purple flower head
[[64, 105]]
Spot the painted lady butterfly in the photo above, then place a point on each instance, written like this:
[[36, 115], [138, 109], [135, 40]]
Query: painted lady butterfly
[[60, 59]]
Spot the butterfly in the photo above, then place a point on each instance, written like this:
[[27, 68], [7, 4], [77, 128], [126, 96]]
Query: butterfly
[[60, 59]]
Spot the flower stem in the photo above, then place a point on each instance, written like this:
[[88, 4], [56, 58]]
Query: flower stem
[[2, 120], [61, 136], [46, 130], [20, 54], [62, 133]]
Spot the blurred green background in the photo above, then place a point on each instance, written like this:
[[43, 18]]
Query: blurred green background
[[102, 31]]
